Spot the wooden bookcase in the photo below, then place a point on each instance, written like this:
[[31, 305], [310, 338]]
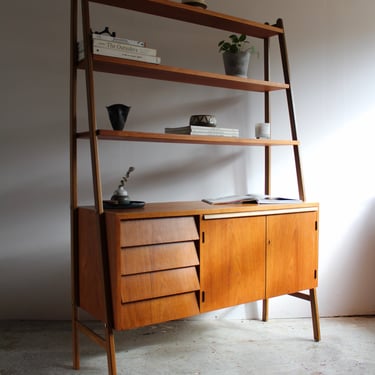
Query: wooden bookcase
[[167, 261]]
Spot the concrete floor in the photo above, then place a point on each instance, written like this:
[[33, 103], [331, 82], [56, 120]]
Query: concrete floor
[[197, 347]]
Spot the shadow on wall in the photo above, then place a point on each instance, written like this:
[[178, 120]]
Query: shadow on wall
[[38, 284], [154, 107], [350, 269]]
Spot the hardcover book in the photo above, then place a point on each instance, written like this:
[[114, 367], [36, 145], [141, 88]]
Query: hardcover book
[[251, 198], [203, 130]]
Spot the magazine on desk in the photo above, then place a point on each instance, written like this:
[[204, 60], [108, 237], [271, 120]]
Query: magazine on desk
[[251, 198]]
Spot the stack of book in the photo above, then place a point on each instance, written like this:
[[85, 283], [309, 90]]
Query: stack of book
[[106, 45], [203, 130]]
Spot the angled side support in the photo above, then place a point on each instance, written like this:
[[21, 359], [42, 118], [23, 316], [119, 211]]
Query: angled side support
[[292, 117], [108, 341], [73, 181], [267, 149]]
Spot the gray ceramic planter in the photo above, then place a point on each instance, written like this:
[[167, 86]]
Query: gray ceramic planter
[[236, 64]]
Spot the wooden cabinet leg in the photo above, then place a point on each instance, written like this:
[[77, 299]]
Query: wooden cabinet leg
[[76, 362], [110, 348], [315, 314], [265, 310]]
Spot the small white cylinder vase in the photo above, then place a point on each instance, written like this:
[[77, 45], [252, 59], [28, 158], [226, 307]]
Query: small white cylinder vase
[[263, 130]]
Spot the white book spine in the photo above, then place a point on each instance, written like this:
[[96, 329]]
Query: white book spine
[[212, 129], [124, 47], [119, 40], [207, 131], [125, 55], [218, 133], [235, 135]]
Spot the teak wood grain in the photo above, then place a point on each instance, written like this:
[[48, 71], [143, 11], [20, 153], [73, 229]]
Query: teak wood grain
[[135, 136], [158, 284], [142, 259], [232, 262], [292, 253], [91, 289], [207, 17], [154, 231], [156, 310], [160, 256], [114, 65]]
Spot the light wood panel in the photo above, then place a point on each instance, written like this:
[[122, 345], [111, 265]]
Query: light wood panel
[[158, 310], [232, 262], [125, 135], [155, 231], [158, 257], [90, 275], [107, 64], [206, 17], [292, 253], [158, 284]]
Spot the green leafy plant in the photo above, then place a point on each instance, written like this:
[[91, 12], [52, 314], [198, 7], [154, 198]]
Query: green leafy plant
[[236, 43]]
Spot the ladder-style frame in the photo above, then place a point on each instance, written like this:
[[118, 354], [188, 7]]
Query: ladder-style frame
[[177, 11]]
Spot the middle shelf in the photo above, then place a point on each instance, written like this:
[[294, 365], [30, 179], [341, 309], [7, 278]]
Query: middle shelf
[[115, 65], [125, 135]]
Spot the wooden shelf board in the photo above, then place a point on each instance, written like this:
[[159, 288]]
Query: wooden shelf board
[[115, 135], [196, 15], [168, 73]]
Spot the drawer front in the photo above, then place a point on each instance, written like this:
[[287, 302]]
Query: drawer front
[[157, 231], [158, 284], [158, 257], [158, 310]]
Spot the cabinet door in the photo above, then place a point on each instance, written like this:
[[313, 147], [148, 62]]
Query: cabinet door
[[232, 262], [292, 253]]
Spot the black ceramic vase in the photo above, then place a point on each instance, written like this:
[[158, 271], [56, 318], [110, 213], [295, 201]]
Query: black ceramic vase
[[118, 113]]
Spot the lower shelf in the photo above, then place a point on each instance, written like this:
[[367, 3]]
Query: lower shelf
[[125, 135]]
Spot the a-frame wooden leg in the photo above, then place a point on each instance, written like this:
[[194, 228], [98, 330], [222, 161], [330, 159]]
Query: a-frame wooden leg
[[265, 310], [315, 314], [75, 337], [106, 341], [110, 349], [313, 299], [292, 117]]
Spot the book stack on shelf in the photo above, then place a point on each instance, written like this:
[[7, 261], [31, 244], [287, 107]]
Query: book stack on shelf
[[203, 125], [203, 130], [106, 45]]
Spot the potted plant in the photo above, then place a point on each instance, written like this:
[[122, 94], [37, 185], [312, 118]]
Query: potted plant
[[236, 55]]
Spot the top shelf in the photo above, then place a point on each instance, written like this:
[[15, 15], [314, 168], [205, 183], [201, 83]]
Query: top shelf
[[196, 15]]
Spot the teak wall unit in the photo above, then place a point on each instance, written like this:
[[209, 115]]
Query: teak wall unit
[[167, 261]]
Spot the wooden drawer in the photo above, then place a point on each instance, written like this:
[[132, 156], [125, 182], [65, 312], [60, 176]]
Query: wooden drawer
[[157, 231], [158, 310], [158, 284], [158, 257]]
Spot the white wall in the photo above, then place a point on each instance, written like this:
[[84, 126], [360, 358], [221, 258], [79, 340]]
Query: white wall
[[331, 48]]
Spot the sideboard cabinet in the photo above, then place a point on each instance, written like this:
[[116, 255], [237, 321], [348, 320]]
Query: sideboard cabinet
[[174, 260]]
